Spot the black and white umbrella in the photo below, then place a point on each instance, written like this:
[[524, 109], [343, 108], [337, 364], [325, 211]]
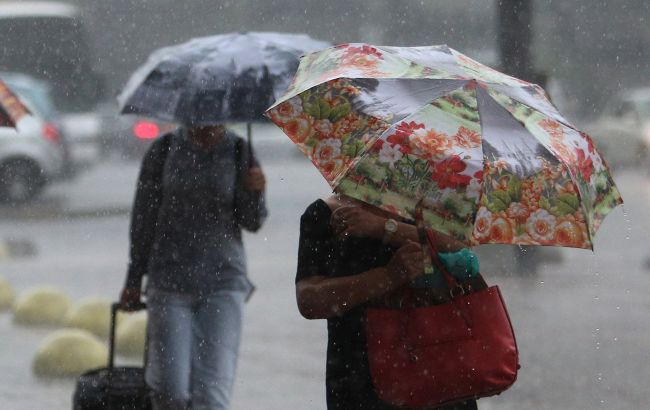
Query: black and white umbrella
[[210, 80]]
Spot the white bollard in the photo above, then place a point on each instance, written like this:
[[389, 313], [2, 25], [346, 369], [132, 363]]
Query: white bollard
[[7, 295], [42, 306], [69, 353]]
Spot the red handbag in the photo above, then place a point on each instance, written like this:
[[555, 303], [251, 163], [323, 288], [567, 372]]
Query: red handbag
[[427, 357]]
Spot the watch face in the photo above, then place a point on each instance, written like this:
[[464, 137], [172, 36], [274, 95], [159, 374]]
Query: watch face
[[391, 226]]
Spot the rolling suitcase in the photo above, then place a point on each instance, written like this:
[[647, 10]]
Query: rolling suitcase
[[112, 388]]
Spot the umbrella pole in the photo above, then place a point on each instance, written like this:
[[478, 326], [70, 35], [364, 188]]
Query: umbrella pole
[[249, 132]]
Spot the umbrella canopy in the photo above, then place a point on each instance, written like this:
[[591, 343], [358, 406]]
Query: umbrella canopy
[[487, 155], [11, 108], [209, 80]]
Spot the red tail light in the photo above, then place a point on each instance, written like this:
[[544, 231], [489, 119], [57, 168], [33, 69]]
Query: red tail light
[[51, 132], [146, 130]]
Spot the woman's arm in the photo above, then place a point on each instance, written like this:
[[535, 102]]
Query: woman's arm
[[144, 217], [250, 203], [355, 220], [321, 297]]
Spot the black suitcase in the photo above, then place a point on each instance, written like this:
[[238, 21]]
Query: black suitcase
[[112, 388]]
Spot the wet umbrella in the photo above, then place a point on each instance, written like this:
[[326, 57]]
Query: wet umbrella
[[487, 155], [11, 108], [209, 80]]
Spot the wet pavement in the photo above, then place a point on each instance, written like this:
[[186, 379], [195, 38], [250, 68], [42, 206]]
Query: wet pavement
[[582, 322]]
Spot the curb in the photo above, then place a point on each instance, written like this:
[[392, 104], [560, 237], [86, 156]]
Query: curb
[[54, 213]]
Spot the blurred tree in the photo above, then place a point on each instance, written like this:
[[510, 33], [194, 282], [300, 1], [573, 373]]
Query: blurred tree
[[515, 36]]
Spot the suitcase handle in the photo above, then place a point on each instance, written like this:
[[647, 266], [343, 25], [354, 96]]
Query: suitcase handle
[[111, 341], [111, 344]]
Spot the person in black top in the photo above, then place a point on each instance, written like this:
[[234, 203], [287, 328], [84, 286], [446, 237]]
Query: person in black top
[[352, 255]]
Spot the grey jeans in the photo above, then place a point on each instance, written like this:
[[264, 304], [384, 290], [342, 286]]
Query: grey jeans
[[193, 344]]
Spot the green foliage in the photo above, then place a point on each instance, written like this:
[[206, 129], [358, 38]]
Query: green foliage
[[353, 148], [520, 229], [457, 206], [339, 111], [370, 171], [321, 110], [566, 204], [499, 201], [450, 205], [514, 188], [544, 203]]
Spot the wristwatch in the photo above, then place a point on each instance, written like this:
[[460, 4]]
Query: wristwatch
[[390, 227]]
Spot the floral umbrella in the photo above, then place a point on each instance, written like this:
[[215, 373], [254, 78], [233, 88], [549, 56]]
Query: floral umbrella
[[11, 109], [488, 156]]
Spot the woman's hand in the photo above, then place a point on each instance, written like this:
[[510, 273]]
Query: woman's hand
[[255, 180], [321, 297], [358, 221], [407, 263], [353, 220], [130, 299]]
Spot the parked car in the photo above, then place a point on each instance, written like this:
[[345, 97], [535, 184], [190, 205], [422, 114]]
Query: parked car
[[34, 153], [622, 132], [82, 131], [127, 136]]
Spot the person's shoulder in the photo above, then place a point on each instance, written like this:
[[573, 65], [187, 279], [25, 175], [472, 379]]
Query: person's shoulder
[[234, 137], [163, 142], [316, 216], [317, 208], [157, 151]]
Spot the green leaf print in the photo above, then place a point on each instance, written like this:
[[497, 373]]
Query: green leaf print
[[544, 203], [370, 171], [567, 204], [312, 109], [339, 111], [520, 229], [324, 109], [499, 201], [514, 188], [353, 148], [450, 205], [348, 150]]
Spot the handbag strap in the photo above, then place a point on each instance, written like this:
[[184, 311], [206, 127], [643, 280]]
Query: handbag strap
[[435, 257], [432, 257], [426, 238]]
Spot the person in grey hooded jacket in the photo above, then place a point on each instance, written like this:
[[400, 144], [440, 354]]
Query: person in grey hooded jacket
[[198, 187]]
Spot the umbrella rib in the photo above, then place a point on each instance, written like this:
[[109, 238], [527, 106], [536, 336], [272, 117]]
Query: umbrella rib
[[491, 84], [413, 62]]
